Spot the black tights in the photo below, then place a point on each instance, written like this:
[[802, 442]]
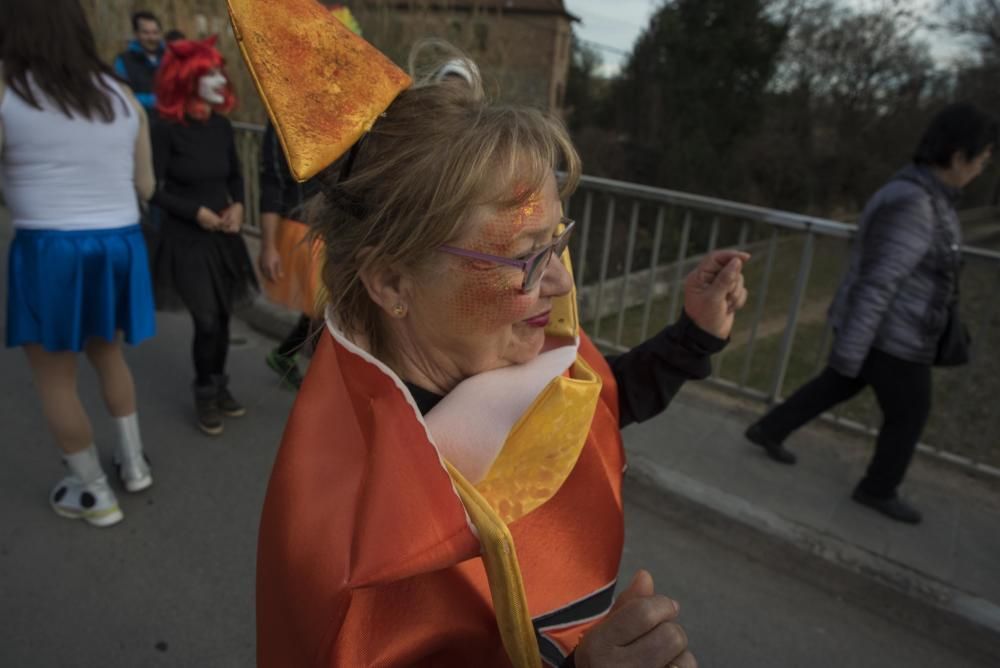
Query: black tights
[[211, 343], [903, 390]]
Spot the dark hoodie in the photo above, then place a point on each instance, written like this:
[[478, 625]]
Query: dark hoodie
[[138, 68]]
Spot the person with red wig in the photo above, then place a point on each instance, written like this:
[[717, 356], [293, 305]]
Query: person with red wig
[[201, 262]]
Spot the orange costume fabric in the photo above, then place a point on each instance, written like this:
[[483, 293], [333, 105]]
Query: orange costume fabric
[[367, 557], [299, 287]]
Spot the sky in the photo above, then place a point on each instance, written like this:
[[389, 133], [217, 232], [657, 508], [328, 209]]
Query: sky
[[612, 26]]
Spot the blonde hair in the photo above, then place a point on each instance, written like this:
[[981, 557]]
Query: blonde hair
[[439, 152]]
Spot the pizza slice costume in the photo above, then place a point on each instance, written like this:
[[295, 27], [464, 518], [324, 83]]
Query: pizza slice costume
[[484, 531]]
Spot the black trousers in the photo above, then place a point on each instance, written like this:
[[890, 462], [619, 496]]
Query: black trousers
[[903, 390], [210, 347], [211, 344]]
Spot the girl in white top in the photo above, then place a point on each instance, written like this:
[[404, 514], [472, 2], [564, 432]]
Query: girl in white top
[[74, 155]]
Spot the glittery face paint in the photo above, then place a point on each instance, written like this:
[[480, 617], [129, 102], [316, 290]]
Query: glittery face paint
[[488, 296], [478, 306]]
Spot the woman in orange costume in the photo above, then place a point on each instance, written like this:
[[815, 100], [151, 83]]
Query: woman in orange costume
[[448, 489]]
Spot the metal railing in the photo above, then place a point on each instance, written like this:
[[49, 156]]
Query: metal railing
[[636, 244], [249, 138]]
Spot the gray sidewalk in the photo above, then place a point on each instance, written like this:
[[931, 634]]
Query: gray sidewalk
[[696, 452]]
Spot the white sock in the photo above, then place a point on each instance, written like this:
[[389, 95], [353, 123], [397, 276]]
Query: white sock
[[85, 465], [128, 435]]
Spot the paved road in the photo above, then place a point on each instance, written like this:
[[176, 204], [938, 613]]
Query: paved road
[[173, 584], [746, 604]]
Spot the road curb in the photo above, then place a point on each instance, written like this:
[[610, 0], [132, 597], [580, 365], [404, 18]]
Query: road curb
[[939, 601]]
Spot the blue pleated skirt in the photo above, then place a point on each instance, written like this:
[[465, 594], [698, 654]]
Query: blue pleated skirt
[[66, 287]]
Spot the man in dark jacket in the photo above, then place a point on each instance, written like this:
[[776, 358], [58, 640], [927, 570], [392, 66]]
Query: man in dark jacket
[[138, 64], [893, 305]]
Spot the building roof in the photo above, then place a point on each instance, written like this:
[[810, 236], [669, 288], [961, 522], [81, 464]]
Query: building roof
[[551, 7]]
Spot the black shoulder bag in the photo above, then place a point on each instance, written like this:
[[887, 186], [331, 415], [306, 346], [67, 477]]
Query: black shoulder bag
[[955, 341], [953, 346]]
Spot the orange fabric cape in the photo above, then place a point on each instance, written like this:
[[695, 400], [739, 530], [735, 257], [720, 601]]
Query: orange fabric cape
[[366, 555]]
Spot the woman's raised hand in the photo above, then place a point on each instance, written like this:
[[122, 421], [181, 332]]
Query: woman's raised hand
[[640, 632], [714, 291]]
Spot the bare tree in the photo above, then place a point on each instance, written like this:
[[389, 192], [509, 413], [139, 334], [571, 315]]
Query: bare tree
[[977, 19]]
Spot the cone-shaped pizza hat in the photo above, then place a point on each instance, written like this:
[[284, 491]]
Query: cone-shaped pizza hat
[[322, 85]]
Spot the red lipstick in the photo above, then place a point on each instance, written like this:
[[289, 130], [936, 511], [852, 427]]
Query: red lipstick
[[540, 320]]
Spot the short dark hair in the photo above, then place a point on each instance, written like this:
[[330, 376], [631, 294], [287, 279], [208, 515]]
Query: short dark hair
[[144, 15], [961, 127], [173, 35]]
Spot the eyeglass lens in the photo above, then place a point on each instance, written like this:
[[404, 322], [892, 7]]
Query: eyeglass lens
[[536, 270]]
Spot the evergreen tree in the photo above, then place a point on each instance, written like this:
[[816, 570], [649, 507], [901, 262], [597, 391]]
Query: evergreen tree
[[693, 86]]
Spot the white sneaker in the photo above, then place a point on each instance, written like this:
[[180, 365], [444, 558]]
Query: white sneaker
[[133, 469], [95, 503]]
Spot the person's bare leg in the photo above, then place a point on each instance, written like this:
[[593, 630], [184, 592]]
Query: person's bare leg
[[86, 493], [117, 385], [55, 379], [118, 389]]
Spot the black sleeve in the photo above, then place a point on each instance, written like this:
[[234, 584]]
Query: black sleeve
[[234, 183], [650, 374], [178, 207], [271, 182], [569, 661]]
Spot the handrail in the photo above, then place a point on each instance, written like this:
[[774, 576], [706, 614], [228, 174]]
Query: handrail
[[787, 219]]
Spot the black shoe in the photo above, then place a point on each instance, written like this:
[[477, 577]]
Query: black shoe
[[227, 402], [774, 449], [894, 507], [206, 408]]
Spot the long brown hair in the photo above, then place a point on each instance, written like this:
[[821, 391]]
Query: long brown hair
[[52, 41]]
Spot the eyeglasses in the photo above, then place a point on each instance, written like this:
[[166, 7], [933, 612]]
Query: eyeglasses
[[532, 266]]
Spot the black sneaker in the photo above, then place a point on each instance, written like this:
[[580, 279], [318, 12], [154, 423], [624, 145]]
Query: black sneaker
[[893, 507], [206, 408], [774, 449], [227, 402], [286, 367]]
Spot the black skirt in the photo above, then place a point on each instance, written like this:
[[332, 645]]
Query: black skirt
[[199, 270]]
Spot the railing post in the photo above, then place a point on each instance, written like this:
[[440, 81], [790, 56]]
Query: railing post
[[675, 291], [788, 338], [761, 297], [721, 357], [581, 265], [713, 235], [653, 260], [630, 250], [609, 223]]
